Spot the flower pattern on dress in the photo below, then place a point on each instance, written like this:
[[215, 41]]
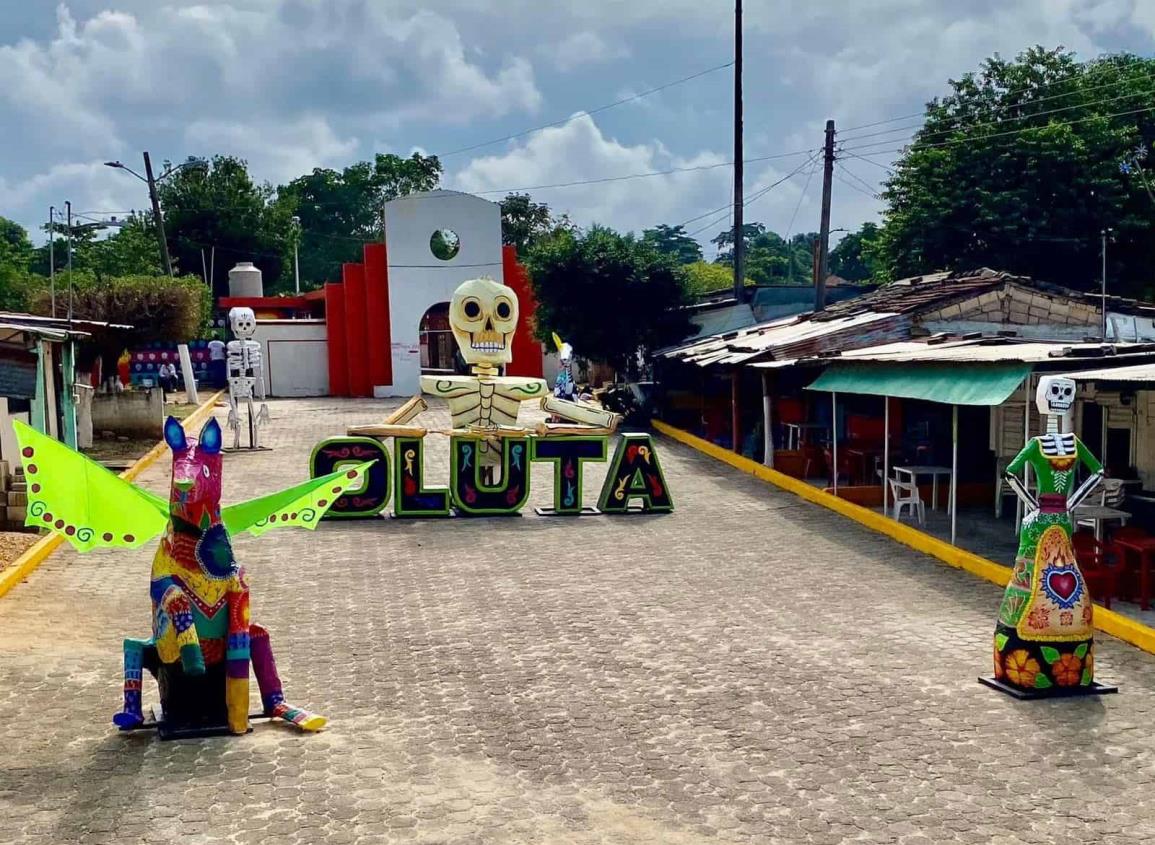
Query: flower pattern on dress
[[1068, 669], [1021, 668]]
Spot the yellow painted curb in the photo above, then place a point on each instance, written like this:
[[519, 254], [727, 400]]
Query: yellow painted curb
[[27, 563], [1107, 621]]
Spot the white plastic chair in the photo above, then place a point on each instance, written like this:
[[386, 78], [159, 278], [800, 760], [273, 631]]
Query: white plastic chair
[[911, 500]]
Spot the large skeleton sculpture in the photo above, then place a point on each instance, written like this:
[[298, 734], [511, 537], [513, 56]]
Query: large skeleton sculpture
[[202, 640], [483, 316], [1044, 636], [245, 375]]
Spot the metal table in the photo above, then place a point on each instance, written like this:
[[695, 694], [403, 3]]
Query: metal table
[[934, 472]]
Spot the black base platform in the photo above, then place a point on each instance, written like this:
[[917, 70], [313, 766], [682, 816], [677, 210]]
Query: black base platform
[[1095, 688], [585, 511]]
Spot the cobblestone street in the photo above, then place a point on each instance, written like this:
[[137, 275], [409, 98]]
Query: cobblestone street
[[750, 668]]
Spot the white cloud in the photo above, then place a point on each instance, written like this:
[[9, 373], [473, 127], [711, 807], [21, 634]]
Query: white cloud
[[582, 48], [285, 150], [574, 151]]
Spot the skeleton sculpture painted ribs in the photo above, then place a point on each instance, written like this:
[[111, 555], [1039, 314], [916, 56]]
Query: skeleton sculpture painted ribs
[[1044, 636], [483, 316], [200, 597]]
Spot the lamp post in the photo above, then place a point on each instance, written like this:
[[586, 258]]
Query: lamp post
[[152, 181]]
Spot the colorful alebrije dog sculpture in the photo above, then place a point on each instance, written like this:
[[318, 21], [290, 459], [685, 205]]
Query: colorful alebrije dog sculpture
[[200, 597]]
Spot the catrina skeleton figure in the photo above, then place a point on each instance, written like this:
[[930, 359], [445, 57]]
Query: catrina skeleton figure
[[200, 597], [1044, 638]]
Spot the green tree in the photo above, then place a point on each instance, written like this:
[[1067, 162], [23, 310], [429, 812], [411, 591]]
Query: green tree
[[852, 258], [157, 308], [724, 240], [610, 295], [221, 207], [15, 247], [1022, 165], [341, 210], [673, 241], [525, 222], [703, 277]]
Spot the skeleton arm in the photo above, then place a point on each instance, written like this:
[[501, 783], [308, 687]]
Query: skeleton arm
[[1096, 476], [1021, 491], [1084, 490]]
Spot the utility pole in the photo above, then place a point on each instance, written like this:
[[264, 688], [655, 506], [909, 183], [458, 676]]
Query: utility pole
[[296, 262], [739, 205], [156, 214], [1106, 233], [52, 256], [824, 231], [68, 207]]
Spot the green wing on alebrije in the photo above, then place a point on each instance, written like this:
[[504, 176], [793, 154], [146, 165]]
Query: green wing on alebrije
[[301, 506], [82, 501]]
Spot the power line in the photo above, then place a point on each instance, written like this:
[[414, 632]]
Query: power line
[[842, 152], [1034, 89], [801, 197], [983, 138], [963, 126], [588, 112], [854, 187], [758, 193], [860, 180]]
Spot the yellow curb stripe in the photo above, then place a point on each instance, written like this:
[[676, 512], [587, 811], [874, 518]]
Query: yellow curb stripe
[[27, 563], [1107, 621]]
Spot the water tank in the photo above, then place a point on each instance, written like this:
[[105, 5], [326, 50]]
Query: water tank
[[245, 280]]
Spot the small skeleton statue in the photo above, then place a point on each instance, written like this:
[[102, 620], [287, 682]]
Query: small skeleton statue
[[483, 316], [1044, 635], [564, 386], [245, 376]]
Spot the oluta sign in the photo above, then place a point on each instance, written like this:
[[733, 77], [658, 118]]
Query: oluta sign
[[490, 455], [634, 483]]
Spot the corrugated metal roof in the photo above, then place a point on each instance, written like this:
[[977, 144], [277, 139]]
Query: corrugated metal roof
[[1135, 373], [980, 350]]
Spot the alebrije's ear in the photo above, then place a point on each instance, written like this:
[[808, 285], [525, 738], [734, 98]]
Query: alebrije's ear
[[174, 434], [557, 341], [209, 440]]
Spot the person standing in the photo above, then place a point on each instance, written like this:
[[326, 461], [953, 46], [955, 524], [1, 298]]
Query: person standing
[[167, 376], [217, 367]]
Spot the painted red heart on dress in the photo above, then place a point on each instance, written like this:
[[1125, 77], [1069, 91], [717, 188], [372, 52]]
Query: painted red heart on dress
[[1063, 584]]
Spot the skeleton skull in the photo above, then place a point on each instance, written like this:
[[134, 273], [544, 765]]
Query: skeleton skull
[[243, 322], [483, 316], [1055, 396]]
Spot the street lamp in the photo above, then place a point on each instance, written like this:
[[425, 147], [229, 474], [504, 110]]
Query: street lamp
[[149, 180]]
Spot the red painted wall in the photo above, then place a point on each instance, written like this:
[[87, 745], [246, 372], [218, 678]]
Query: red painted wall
[[356, 330], [527, 352], [380, 349], [337, 342]]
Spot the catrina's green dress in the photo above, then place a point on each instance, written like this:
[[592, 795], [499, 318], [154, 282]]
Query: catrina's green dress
[[1044, 635]]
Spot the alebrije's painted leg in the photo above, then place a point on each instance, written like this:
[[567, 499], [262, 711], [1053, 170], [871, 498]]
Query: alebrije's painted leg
[[237, 656], [272, 695], [179, 610], [132, 715]]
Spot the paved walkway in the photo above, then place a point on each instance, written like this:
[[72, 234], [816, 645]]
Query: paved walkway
[[750, 668]]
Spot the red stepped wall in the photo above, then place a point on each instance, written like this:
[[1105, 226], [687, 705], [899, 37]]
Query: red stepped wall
[[527, 355]]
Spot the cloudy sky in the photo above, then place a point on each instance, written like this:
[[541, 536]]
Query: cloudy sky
[[294, 84]]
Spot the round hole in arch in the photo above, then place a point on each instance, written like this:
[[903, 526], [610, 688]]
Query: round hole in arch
[[444, 244]]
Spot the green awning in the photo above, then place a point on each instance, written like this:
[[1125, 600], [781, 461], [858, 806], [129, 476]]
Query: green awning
[[952, 384]]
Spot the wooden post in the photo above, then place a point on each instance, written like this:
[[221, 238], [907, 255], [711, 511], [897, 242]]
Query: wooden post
[[735, 413], [834, 438], [67, 389], [954, 473], [767, 422], [885, 454], [824, 223]]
